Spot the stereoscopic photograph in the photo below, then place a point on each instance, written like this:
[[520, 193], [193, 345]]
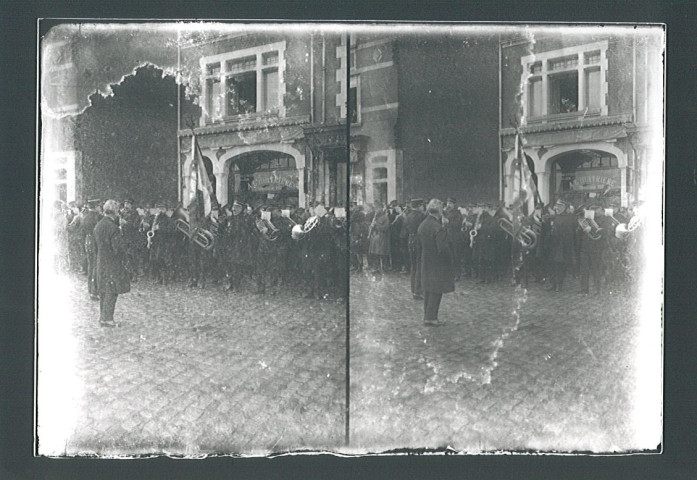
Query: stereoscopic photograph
[[262, 238]]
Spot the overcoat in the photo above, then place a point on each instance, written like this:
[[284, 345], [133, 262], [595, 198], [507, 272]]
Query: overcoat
[[111, 274], [380, 235], [562, 239], [437, 274], [240, 246]]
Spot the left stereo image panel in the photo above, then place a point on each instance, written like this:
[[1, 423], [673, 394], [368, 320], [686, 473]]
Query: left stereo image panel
[[192, 265]]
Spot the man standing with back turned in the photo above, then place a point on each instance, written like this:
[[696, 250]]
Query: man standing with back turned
[[111, 274], [436, 261]]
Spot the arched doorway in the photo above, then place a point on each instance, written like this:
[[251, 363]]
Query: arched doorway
[[264, 175], [584, 176]]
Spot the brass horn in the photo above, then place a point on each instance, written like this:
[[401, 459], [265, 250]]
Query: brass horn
[[589, 225], [621, 230], [526, 236], [634, 223], [200, 236], [267, 229]]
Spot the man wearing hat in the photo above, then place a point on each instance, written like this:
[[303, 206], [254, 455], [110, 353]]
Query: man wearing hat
[[89, 221], [111, 275], [412, 221], [436, 261]]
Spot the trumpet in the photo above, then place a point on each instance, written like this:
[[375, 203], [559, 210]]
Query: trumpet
[[200, 236]]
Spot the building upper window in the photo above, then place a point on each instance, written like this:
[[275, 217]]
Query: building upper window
[[244, 82], [354, 100], [566, 82]]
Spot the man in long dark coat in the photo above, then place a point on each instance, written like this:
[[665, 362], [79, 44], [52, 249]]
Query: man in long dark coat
[[112, 278], [562, 244], [317, 250], [437, 276], [411, 226], [130, 225]]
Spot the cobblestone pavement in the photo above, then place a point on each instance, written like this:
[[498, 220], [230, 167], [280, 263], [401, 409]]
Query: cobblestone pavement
[[197, 371], [511, 369]]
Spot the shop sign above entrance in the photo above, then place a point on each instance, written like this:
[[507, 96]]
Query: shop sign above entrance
[[595, 180], [274, 181]]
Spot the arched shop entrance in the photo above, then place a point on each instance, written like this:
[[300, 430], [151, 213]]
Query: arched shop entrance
[[265, 175], [586, 176]]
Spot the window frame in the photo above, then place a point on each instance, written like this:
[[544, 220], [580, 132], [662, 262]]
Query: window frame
[[260, 68], [355, 82], [539, 67]]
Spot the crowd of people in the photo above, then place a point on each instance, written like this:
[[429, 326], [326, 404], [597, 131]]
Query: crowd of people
[[232, 247], [255, 245], [384, 239]]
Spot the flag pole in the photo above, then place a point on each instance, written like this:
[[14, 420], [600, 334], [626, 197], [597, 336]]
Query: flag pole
[[179, 116]]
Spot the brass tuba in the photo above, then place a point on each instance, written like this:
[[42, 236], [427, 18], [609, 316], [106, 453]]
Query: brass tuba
[[621, 230], [526, 236], [589, 226], [200, 236], [267, 229]]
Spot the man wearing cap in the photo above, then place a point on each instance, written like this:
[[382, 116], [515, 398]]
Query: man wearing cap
[[411, 225], [162, 244], [436, 261], [454, 230], [318, 253], [130, 226], [111, 275], [89, 221], [562, 244], [239, 254], [592, 251]]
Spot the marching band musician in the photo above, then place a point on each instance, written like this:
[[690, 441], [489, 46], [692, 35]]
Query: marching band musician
[[271, 255], [200, 259], [468, 221], [562, 239], [162, 245], [454, 231], [485, 245], [317, 254], [130, 228], [592, 251]]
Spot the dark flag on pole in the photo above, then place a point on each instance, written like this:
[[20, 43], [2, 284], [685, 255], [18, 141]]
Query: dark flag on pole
[[200, 195], [526, 182]]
